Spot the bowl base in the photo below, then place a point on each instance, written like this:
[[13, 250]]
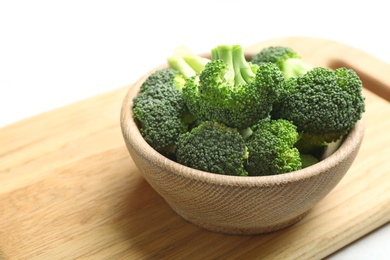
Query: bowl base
[[232, 230]]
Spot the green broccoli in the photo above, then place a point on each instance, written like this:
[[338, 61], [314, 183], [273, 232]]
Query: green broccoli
[[160, 110], [287, 60], [186, 62], [324, 104], [168, 76], [308, 160], [226, 115], [271, 148], [231, 90], [213, 147]]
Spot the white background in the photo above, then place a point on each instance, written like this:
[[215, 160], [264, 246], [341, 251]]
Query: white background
[[53, 53]]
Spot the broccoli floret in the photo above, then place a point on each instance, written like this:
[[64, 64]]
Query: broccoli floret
[[231, 90], [169, 76], [159, 125], [324, 104], [271, 148], [213, 147], [287, 60], [160, 108]]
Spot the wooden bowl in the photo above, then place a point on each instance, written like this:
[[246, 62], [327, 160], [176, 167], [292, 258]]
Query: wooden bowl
[[234, 204]]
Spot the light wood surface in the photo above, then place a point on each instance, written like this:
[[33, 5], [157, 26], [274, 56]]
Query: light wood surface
[[69, 189]]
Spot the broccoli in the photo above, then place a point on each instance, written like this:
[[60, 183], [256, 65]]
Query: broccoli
[[308, 160], [287, 60], [213, 147], [324, 104], [168, 76], [186, 62], [231, 90], [271, 148], [226, 115], [160, 108]]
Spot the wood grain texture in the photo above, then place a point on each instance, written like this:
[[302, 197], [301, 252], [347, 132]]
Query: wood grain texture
[[69, 189]]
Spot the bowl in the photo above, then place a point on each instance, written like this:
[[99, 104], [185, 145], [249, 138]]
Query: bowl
[[236, 204]]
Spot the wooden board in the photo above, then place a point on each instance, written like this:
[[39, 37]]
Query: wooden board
[[69, 189]]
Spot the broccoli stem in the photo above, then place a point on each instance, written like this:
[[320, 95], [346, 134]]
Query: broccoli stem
[[239, 68], [182, 66], [245, 132], [293, 67], [186, 62], [196, 62], [224, 52], [243, 72]]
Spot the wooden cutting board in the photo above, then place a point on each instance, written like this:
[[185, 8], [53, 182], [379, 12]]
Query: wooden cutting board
[[69, 189]]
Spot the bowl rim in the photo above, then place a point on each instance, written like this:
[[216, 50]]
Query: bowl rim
[[134, 139]]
